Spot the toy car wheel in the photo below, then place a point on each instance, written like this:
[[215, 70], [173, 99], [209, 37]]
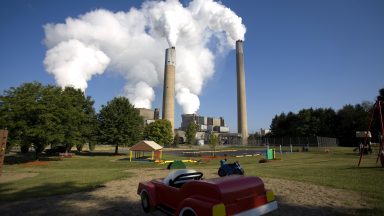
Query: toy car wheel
[[188, 212], [145, 202], [238, 172], [221, 172]]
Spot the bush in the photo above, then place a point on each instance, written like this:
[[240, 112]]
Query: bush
[[263, 160]]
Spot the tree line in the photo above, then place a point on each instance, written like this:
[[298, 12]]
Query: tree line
[[39, 116], [327, 122]]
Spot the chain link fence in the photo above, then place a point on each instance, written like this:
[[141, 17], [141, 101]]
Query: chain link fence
[[316, 141]]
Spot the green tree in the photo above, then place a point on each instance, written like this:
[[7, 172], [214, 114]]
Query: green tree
[[119, 123], [159, 131], [349, 120], [381, 95], [190, 133], [79, 123], [176, 140], [213, 142], [26, 117], [38, 116]]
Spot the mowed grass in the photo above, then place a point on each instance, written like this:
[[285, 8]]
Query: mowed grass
[[336, 168], [69, 175]]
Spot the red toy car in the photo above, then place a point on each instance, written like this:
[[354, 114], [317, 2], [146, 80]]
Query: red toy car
[[184, 193]]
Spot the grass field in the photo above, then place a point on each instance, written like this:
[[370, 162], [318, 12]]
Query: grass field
[[336, 168]]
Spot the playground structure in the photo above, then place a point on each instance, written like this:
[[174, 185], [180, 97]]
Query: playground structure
[[377, 107], [361, 136], [146, 146]]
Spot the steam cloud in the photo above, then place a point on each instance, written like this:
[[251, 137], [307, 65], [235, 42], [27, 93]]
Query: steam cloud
[[132, 44]]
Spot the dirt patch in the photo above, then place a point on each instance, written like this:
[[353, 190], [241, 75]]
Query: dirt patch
[[119, 198], [12, 176]]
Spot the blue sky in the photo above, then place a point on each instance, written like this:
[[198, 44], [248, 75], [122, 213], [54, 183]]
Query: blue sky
[[298, 54]]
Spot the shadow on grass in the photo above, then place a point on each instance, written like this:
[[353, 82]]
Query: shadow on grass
[[293, 210], [85, 203], [18, 158], [39, 191], [91, 204], [93, 154], [97, 153], [375, 168]]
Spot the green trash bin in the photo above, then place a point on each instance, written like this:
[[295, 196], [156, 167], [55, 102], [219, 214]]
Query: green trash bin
[[270, 154]]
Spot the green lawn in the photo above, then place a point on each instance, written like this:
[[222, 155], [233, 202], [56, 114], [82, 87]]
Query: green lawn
[[336, 168]]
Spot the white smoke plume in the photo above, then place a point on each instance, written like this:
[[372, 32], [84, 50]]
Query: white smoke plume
[[74, 63], [133, 44]]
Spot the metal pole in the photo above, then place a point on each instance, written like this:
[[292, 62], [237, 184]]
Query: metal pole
[[382, 131], [366, 134]]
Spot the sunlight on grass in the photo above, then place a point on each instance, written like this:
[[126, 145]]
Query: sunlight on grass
[[336, 168]]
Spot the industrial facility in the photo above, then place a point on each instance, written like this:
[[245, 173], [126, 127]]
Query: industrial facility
[[206, 125], [149, 115]]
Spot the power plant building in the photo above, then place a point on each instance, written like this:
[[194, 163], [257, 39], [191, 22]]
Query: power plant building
[[149, 115], [204, 124]]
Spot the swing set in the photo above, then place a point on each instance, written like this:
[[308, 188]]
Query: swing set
[[377, 107]]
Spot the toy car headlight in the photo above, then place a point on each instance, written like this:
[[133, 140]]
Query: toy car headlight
[[218, 210], [270, 195]]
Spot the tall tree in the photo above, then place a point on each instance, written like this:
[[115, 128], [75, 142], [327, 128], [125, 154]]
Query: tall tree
[[20, 112], [40, 115], [349, 120], [176, 140], [78, 117], [119, 123], [213, 142], [159, 131], [190, 133]]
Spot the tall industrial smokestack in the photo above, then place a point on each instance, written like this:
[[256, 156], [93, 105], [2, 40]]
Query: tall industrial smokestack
[[242, 125], [169, 86]]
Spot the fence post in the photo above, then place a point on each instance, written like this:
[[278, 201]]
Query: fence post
[[281, 152], [317, 139], [291, 148]]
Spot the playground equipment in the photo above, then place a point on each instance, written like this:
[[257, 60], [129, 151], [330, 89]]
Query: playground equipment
[[227, 169], [185, 193], [177, 164], [377, 107]]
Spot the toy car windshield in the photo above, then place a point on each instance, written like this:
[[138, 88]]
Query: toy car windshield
[[179, 177]]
